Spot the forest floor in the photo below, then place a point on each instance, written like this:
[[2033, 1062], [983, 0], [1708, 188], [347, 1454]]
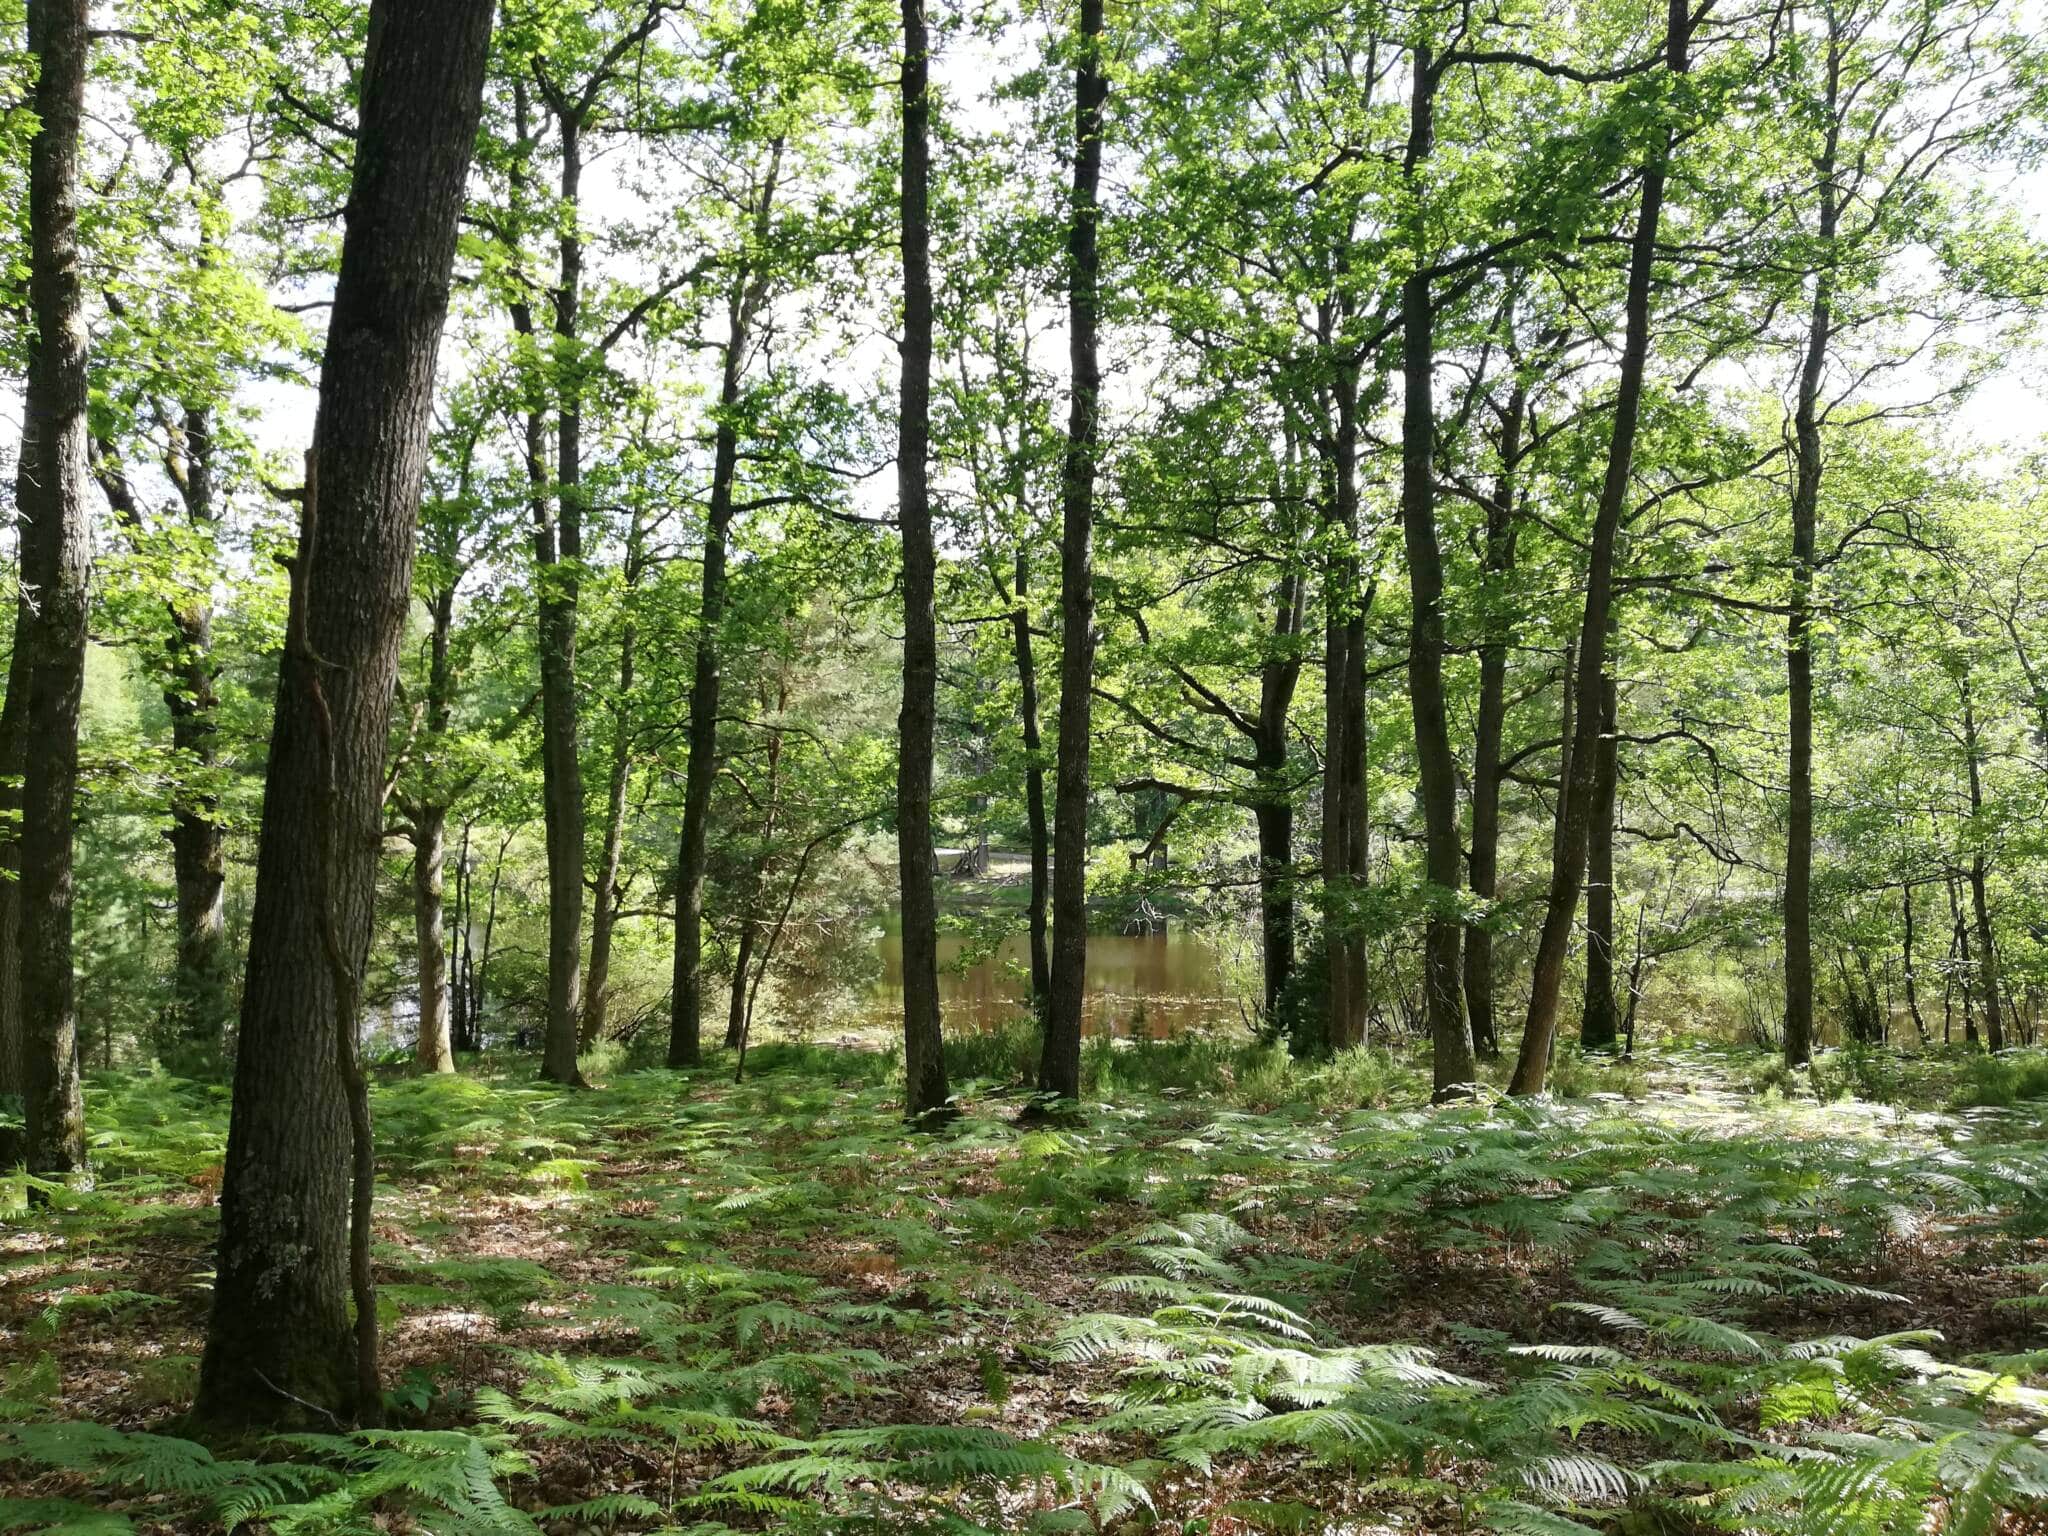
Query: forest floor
[[1234, 1295]]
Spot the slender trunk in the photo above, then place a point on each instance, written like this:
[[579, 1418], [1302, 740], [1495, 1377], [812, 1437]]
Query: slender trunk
[[1575, 803], [924, 1064], [686, 994], [1034, 788], [1059, 1067], [604, 914], [436, 1048], [1912, 980], [1273, 809], [205, 971], [1436, 769], [1599, 1028], [1483, 872], [55, 554], [13, 760], [293, 1250], [1987, 950], [686, 1004], [737, 999], [1798, 624], [1344, 853]]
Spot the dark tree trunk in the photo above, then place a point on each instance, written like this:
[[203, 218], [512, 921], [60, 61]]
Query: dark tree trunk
[[1344, 831], [55, 555], [205, 973], [1273, 805], [1912, 978], [1980, 905], [686, 996], [604, 914], [558, 551], [1034, 789], [1483, 871], [1599, 1023], [202, 985], [738, 999], [280, 1348], [435, 1050], [1436, 769], [1807, 471], [1575, 802], [1059, 1067], [924, 1062], [435, 1047]]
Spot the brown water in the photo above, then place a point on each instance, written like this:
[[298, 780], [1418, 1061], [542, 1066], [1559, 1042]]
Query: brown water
[[1151, 986]]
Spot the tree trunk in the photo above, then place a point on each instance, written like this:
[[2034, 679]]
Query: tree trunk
[[13, 759], [1798, 642], [605, 910], [1344, 853], [1599, 1026], [1034, 789], [1273, 808], [686, 1003], [924, 1063], [279, 1347], [1483, 872], [436, 1048], [1059, 1067], [558, 551], [55, 555], [1987, 950], [1575, 803], [1436, 769], [1912, 979]]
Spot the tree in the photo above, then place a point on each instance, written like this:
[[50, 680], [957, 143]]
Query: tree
[[1059, 1067], [55, 553], [1575, 800], [924, 1061], [294, 1243]]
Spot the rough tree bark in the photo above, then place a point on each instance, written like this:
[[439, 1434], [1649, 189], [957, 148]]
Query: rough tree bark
[[280, 1347], [1059, 1066], [55, 555], [1575, 802]]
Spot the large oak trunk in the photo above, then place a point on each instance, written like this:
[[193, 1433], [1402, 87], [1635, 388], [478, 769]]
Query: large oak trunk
[[280, 1348]]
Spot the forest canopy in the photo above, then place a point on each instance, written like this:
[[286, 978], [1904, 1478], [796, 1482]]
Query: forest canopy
[[1269, 584]]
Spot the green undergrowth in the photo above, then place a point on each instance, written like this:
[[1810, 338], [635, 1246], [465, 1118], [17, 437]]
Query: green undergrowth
[[1234, 1294]]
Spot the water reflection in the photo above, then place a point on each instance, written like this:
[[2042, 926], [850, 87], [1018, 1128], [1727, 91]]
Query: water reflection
[[1150, 986]]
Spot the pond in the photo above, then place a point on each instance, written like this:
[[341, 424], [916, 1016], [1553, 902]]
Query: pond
[[1143, 986]]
